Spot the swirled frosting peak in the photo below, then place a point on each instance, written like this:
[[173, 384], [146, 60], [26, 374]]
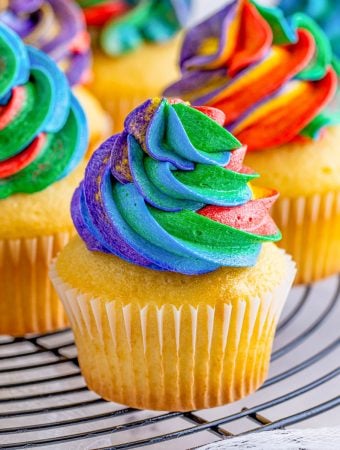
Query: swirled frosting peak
[[272, 77], [125, 24], [326, 13], [43, 133], [56, 27], [171, 193]]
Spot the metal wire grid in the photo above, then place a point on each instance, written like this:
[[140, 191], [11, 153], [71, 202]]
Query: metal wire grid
[[44, 401]]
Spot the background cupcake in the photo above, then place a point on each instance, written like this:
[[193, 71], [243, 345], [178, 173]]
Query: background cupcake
[[57, 27], [135, 50], [43, 137], [274, 80], [172, 297]]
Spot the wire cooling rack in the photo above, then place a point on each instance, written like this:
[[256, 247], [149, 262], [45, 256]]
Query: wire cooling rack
[[45, 403]]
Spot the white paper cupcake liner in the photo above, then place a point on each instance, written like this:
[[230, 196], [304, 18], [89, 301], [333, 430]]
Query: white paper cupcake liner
[[28, 301], [311, 233]]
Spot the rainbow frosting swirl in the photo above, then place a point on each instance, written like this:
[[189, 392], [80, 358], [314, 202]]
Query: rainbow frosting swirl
[[170, 193], [326, 13], [273, 78], [126, 24], [43, 133], [56, 27]]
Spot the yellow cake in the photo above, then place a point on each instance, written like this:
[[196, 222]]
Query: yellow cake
[[174, 287], [308, 209]]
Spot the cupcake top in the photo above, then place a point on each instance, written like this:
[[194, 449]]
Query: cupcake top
[[56, 27], [273, 78], [171, 193], [124, 25], [43, 134], [326, 13]]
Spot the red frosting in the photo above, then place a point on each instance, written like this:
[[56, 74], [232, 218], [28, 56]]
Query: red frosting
[[9, 111], [252, 217], [101, 14]]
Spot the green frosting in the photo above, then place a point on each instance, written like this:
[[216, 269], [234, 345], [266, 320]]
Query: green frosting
[[323, 52], [124, 35], [88, 3], [24, 127], [201, 233], [283, 33]]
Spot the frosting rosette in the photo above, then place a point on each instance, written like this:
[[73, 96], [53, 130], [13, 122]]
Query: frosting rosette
[[56, 27], [326, 13], [125, 25], [43, 134], [272, 77], [171, 193]]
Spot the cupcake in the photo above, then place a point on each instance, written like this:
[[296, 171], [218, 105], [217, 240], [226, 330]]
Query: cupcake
[[275, 80], [174, 286], [43, 138], [326, 13], [57, 27], [134, 50]]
